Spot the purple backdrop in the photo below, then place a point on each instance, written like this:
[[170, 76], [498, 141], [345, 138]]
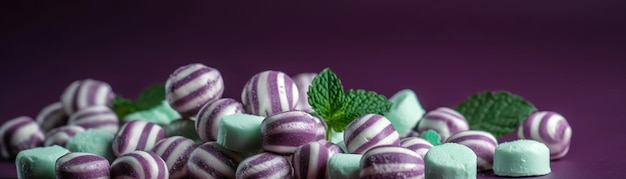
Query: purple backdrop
[[567, 57]]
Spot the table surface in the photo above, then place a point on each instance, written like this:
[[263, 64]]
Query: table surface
[[567, 57]]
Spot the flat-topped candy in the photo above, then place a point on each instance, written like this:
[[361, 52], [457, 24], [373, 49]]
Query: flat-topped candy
[[95, 117], [369, 131], [19, 134], [82, 165], [38, 163], [208, 120], [521, 158], [450, 160], [94, 141], [182, 127], [550, 128], [241, 132], [445, 121], [268, 93], [192, 86], [344, 166], [52, 116], [86, 93], [162, 114], [139, 165], [406, 111], [137, 135]]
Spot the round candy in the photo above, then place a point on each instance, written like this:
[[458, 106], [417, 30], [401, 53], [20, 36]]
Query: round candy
[[268, 93], [208, 120], [209, 160], [192, 86], [391, 162], [310, 160], [137, 135], [175, 152], [85, 93], [369, 131], [264, 165], [549, 128], [19, 134], [284, 132], [416, 144], [332, 147], [444, 121], [482, 143], [139, 165], [521, 158], [303, 81], [52, 116], [82, 165], [60, 136], [96, 117]]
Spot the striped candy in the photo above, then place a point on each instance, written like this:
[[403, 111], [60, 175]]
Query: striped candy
[[175, 152], [391, 162], [191, 86], [85, 93], [209, 160], [52, 116], [139, 165], [550, 128], [444, 121], [268, 93], [332, 147], [416, 144], [60, 136], [95, 117], [208, 121], [19, 134], [482, 143], [82, 165], [369, 131], [411, 133], [265, 165], [303, 81], [310, 160], [284, 132], [137, 135]]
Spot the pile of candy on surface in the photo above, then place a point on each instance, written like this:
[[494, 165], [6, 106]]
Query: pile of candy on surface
[[301, 126]]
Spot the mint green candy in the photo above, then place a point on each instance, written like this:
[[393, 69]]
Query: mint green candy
[[93, 141], [185, 127], [240, 132], [406, 111], [450, 160], [161, 114], [39, 162], [344, 166], [521, 158]]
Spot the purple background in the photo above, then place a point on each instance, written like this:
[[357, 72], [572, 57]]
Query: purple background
[[567, 57]]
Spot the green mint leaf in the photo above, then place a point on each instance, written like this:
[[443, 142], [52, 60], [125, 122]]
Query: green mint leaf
[[151, 97], [123, 107], [326, 98], [361, 102], [497, 112], [432, 137]]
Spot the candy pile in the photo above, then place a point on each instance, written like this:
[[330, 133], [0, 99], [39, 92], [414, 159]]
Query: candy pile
[[305, 126]]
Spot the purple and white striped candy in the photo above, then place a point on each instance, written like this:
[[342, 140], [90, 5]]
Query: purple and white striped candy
[[411, 133], [139, 165], [208, 121], [416, 144], [52, 116], [268, 93], [19, 134], [444, 121], [137, 135], [332, 147], [192, 86], [391, 162], [210, 160], [175, 152], [550, 128], [310, 160], [482, 143], [265, 165], [284, 132], [95, 117], [369, 131], [303, 81], [60, 135], [85, 93], [82, 165]]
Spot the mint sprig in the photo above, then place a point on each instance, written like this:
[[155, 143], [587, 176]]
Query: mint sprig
[[498, 112], [149, 98], [431, 136]]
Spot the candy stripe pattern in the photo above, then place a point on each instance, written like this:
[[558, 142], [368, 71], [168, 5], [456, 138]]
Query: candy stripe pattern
[[310, 160], [369, 131], [52, 116], [175, 152], [444, 121], [303, 81], [332, 147], [82, 165], [416, 144], [264, 165], [139, 165], [137, 135], [208, 120], [268, 93], [482, 143], [391, 162], [209, 160], [96, 117], [60, 136], [192, 86], [284, 132], [85, 93], [550, 128], [19, 134]]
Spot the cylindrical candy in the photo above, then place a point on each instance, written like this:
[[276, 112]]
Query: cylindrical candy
[[52, 116], [391, 162], [369, 131], [549, 128], [208, 120], [268, 93], [175, 152], [82, 165], [209, 160], [416, 144], [303, 81], [450, 160], [444, 121], [85, 93], [19, 134], [521, 158], [264, 165], [310, 160], [192, 86], [96, 117], [137, 135], [60, 136], [482, 143], [284, 132], [139, 165]]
